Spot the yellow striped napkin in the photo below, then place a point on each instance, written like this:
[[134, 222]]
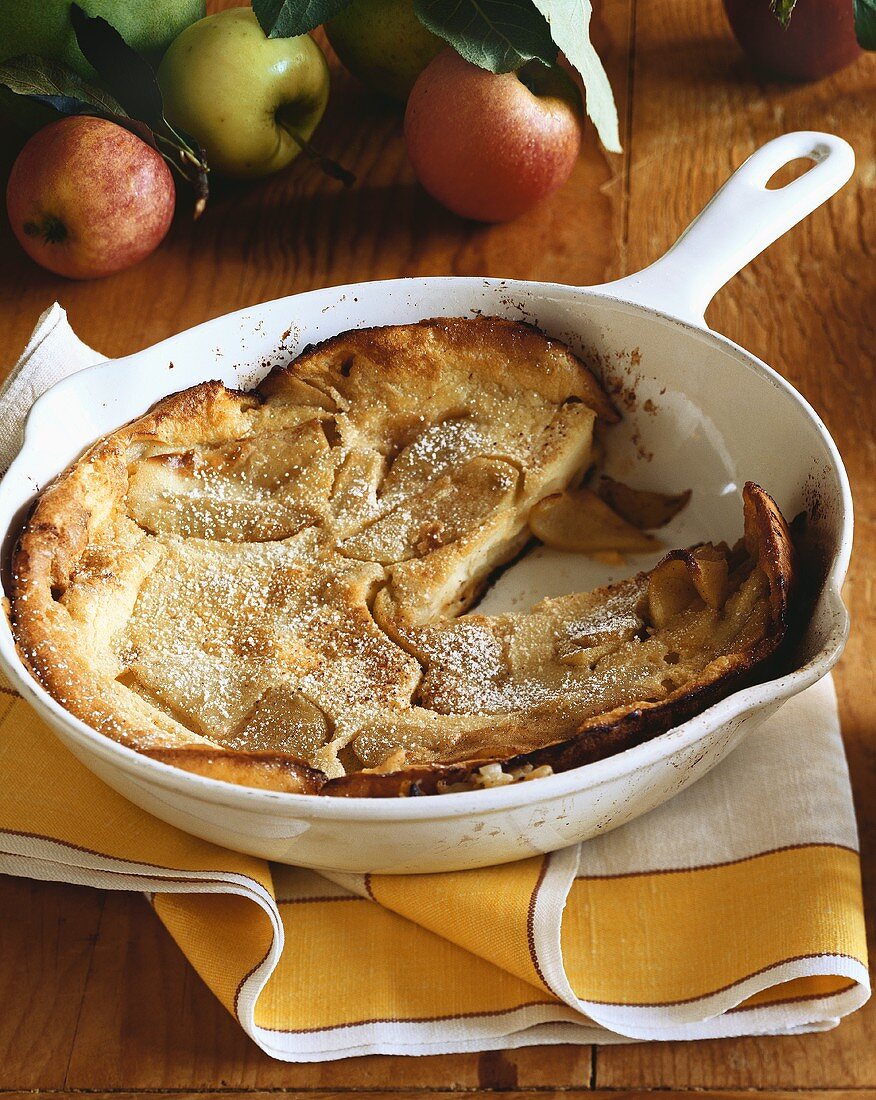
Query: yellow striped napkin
[[734, 909]]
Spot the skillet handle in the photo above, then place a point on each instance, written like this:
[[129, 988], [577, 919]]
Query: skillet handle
[[742, 219]]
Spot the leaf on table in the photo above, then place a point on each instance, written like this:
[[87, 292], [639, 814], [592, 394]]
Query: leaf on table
[[569, 24], [498, 35], [782, 9], [865, 23], [289, 18]]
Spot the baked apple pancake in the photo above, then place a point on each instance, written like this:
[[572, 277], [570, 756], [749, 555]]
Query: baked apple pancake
[[274, 588]]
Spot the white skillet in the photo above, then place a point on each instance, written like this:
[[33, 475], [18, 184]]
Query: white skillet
[[706, 415]]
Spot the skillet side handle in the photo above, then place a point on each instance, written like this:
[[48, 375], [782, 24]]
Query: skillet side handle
[[742, 219]]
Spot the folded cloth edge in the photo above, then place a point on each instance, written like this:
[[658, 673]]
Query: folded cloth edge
[[52, 353]]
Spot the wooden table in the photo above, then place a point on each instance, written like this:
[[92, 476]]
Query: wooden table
[[94, 995]]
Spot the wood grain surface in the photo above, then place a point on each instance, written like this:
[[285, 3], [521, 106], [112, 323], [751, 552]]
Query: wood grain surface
[[93, 994]]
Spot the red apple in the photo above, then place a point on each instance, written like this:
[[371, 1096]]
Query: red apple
[[490, 146], [819, 39], [86, 197]]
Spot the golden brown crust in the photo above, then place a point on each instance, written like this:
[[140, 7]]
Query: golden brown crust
[[268, 770], [528, 360], [150, 578]]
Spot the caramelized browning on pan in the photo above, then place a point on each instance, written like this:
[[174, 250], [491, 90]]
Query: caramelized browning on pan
[[269, 588]]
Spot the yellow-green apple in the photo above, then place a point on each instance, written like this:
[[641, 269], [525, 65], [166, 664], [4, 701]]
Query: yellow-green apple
[[489, 146], [251, 101], [86, 197], [384, 44], [43, 27]]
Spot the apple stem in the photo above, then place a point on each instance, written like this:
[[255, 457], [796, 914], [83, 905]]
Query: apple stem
[[331, 167], [188, 163]]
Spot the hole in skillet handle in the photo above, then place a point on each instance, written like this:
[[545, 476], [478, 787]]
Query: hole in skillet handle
[[789, 172]]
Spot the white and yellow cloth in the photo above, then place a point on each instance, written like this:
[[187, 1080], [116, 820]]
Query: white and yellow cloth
[[734, 909]]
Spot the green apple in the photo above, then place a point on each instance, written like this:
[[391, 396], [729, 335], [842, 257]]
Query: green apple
[[43, 26], [384, 44], [251, 101]]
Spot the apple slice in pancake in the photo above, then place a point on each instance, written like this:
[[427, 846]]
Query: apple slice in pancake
[[483, 504], [459, 505], [300, 625], [581, 522], [265, 487]]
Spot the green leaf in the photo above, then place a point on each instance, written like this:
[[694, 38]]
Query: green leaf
[[569, 22], [133, 81], [126, 73], [782, 10], [498, 35], [289, 18], [56, 84], [865, 23]]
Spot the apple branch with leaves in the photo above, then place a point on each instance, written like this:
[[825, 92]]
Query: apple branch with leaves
[[497, 35], [129, 95]]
